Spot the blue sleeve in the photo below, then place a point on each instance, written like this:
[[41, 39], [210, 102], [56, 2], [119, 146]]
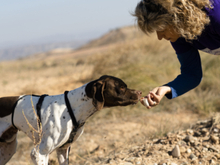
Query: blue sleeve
[[191, 73], [214, 15]]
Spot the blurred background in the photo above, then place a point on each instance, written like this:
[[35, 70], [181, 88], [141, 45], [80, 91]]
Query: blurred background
[[32, 27]]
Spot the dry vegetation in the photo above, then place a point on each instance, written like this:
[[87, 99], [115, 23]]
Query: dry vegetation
[[142, 62]]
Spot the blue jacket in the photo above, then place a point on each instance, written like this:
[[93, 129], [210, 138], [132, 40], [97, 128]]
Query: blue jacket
[[188, 55]]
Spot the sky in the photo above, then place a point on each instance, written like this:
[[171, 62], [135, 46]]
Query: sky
[[27, 21]]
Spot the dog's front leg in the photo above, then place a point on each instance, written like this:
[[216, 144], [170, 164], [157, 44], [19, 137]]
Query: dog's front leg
[[39, 159], [63, 155]]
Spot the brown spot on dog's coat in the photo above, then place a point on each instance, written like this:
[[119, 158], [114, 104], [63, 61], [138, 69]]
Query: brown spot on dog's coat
[[9, 133], [6, 105]]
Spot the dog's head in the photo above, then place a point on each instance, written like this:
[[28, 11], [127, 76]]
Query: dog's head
[[109, 91]]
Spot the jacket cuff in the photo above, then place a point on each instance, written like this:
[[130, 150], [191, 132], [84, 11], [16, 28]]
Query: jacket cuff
[[173, 93]]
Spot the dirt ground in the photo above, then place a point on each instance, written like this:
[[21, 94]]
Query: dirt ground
[[123, 137], [129, 140]]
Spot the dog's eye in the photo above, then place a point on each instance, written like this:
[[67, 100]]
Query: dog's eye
[[122, 88]]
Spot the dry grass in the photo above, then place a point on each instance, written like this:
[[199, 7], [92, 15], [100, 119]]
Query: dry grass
[[143, 63], [37, 134]]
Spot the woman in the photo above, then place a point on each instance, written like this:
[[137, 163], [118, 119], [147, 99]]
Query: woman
[[190, 25]]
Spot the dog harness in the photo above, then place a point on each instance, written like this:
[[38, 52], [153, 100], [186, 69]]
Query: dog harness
[[73, 118], [69, 109], [38, 108]]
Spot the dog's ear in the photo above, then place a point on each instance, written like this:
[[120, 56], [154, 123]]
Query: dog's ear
[[95, 90], [98, 98]]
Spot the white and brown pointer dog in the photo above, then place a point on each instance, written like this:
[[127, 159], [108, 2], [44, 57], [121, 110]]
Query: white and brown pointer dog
[[61, 117]]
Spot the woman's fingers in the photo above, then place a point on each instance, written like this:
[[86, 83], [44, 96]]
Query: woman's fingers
[[147, 102], [156, 98]]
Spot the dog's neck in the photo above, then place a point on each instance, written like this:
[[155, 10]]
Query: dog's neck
[[81, 104]]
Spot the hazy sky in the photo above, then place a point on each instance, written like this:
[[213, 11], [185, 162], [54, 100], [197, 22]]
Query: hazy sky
[[36, 20]]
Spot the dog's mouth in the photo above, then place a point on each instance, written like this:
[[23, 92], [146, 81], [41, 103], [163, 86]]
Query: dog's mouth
[[131, 97], [137, 98], [139, 94], [134, 99], [123, 102], [135, 102]]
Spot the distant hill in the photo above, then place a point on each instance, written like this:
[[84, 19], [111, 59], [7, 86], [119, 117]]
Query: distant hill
[[115, 36], [13, 53]]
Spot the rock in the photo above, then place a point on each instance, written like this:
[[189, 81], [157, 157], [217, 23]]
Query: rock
[[205, 131], [201, 156], [194, 161], [212, 161], [213, 149], [130, 159], [215, 130], [173, 164], [189, 131], [134, 148], [180, 137], [112, 162], [182, 149], [217, 156], [176, 151], [214, 139], [189, 138], [188, 150], [206, 145], [163, 141], [138, 161], [192, 156], [155, 140], [126, 163], [204, 122], [121, 155], [197, 134], [163, 162], [197, 154], [204, 149], [182, 143]]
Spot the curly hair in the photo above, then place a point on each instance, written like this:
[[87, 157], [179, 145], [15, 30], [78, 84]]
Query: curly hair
[[187, 17]]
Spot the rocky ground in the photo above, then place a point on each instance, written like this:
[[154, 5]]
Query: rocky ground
[[197, 145]]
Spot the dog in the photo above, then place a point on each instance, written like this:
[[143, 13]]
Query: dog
[[54, 122]]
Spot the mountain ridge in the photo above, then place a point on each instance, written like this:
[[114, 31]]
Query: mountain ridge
[[17, 52], [115, 36]]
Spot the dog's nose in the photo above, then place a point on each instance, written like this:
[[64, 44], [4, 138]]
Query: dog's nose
[[139, 92]]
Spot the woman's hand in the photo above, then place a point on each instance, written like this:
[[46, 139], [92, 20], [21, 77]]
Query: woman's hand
[[155, 96]]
